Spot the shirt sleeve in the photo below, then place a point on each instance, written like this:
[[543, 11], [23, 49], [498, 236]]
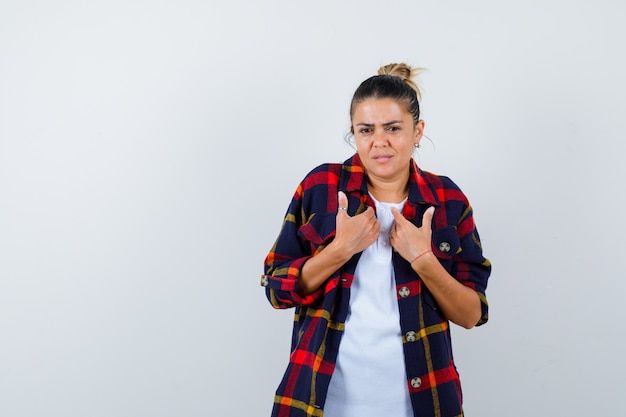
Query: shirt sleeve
[[469, 266], [458, 246], [285, 260]]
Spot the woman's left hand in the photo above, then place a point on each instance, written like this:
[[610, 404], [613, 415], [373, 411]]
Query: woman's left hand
[[459, 303], [409, 240]]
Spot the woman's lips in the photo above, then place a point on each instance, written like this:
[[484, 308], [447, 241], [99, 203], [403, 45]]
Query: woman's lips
[[381, 158]]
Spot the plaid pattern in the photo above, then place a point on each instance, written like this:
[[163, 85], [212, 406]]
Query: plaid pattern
[[309, 225]]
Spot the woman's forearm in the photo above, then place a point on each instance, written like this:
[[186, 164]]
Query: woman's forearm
[[460, 304], [320, 267]]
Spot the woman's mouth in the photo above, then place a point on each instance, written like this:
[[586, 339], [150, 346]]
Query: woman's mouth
[[381, 158]]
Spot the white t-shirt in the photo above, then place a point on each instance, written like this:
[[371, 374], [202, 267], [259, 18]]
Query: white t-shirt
[[370, 377]]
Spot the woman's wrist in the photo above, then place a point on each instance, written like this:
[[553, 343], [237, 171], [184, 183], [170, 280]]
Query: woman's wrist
[[420, 255], [337, 253], [424, 262]]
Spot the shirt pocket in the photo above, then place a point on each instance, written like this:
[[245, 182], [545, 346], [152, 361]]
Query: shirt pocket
[[319, 229], [445, 245]]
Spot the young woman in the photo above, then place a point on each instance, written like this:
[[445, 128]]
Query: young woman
[[377, 256]]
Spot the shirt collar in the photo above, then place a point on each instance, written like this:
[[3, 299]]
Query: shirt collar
[[354, 178]]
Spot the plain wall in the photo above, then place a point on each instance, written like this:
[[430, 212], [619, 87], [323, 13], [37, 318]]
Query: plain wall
[[149, 149]]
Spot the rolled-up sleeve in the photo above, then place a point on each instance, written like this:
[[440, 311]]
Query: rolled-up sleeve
[[285, 260], [469, 266]]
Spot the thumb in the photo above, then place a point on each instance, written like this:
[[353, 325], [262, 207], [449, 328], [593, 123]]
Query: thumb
[[397, 216], [428, 216], [342, 202]]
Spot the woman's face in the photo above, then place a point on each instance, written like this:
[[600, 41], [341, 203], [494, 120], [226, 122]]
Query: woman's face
[[385, 136]]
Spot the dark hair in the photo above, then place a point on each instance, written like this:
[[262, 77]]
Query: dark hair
[[394, 81]]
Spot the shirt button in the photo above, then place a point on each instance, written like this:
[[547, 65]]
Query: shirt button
[[265, 281], [404, 292], [384, 243], [444, 247], [410, 336], [416, 382]]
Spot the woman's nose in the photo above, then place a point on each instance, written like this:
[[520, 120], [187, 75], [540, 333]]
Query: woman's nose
[[379, 138]]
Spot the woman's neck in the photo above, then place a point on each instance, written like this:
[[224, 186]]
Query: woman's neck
[[388, 192]]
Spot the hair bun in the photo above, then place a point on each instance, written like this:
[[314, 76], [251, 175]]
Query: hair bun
[[405, 72]]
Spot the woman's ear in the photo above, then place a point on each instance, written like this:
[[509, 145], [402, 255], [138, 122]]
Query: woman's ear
[[419, 131]]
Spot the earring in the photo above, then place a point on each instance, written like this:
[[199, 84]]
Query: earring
[[417, 145]]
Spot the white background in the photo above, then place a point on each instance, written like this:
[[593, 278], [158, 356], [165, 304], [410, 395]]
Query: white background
[[149, 149]]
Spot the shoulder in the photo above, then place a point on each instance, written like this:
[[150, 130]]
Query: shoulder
[[325, 168], [314, 192], [445, 188], [439, 181], [324, 174]]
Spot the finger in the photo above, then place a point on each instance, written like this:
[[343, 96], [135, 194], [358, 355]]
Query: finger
[[342, 202], [428, 216], [368, 219], [369, 213], [397, 216]]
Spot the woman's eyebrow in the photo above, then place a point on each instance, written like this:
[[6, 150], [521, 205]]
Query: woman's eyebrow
[[393, 122]]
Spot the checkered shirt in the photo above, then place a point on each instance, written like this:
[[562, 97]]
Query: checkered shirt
[[309, 225]]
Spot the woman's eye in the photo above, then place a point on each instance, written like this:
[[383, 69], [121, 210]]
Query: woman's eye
[[393, 128], [365, 130]]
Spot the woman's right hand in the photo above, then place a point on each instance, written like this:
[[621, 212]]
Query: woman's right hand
[[354, 233]]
